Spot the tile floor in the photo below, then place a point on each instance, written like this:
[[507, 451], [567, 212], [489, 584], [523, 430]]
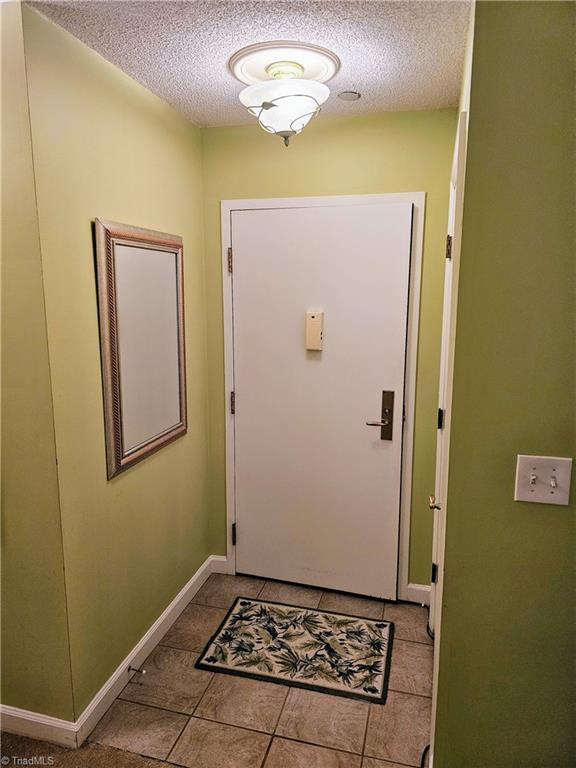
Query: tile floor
[[199, 719]]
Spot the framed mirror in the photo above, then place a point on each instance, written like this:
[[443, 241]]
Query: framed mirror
[[141, 311]]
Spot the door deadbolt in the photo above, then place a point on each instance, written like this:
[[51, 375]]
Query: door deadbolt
[[387, 418]]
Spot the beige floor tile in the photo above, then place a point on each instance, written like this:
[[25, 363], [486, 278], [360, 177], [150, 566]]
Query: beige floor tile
[[148, 731], [321, 718], [340, 602], [220, 590], [371, 762], [243, 702], [293, 594], [212, 745], [411, 670], [399, 730], [293, 754], [170, 682], [194, 627], [410, 621]]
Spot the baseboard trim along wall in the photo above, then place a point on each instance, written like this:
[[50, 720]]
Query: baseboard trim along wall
[[24, 723], [73, 734], [418, 593]]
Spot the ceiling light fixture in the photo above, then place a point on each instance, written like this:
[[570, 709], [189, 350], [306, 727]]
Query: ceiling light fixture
[[285, 83]]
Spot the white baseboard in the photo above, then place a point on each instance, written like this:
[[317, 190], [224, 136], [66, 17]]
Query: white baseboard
[[42, 727], [417, 593], [222, 564], [73, 733]]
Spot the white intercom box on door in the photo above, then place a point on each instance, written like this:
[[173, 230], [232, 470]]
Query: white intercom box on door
[[314, 331]]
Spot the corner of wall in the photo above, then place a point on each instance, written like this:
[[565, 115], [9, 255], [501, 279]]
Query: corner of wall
[[153, 521], [36, 654]]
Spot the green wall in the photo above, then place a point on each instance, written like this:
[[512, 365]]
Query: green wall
[[507, 641], [105, 147], [35, 653], [395, 152], [98, 144]]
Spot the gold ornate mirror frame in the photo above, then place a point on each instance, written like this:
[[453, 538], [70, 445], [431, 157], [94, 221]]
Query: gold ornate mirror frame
[[141, 312]]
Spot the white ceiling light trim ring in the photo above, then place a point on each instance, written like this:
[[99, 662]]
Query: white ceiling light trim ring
[[249, 64]]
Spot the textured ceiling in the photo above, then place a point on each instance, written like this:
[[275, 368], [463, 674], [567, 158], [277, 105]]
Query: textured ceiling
[[399, 55]]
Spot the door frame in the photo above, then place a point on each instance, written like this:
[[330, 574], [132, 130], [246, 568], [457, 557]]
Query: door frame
[[458, 179], [450, 307], [419, 593]]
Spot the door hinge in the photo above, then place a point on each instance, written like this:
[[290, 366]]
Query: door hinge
[[234, 536], [448, 246], [434, 577], [441, 418], [230, 260], [232, 402]]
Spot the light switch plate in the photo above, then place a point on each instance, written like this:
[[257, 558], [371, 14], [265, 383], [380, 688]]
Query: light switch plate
[[543, 479]]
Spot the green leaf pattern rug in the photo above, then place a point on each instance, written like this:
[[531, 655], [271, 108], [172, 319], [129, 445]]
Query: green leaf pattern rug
[[321, 650]]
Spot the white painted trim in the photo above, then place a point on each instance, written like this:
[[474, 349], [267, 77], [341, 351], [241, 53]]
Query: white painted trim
[[138, 655], [220, 564], [410, 396], [418, 200], [72, 734], [418, 593], [443, 446], [36, 726]]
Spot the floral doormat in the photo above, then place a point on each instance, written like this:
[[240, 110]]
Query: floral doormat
[[316, 649]]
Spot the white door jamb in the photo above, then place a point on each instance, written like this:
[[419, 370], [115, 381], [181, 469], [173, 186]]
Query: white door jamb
[[459, 171], [411, 592]]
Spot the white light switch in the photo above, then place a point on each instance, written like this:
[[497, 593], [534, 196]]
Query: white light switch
[[314, 330], [543, 479]]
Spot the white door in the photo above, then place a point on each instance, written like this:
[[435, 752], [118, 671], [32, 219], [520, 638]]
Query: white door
[[317, 490], [438, 502]]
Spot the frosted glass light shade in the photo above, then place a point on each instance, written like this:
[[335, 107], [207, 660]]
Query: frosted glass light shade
[[284, 107]]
